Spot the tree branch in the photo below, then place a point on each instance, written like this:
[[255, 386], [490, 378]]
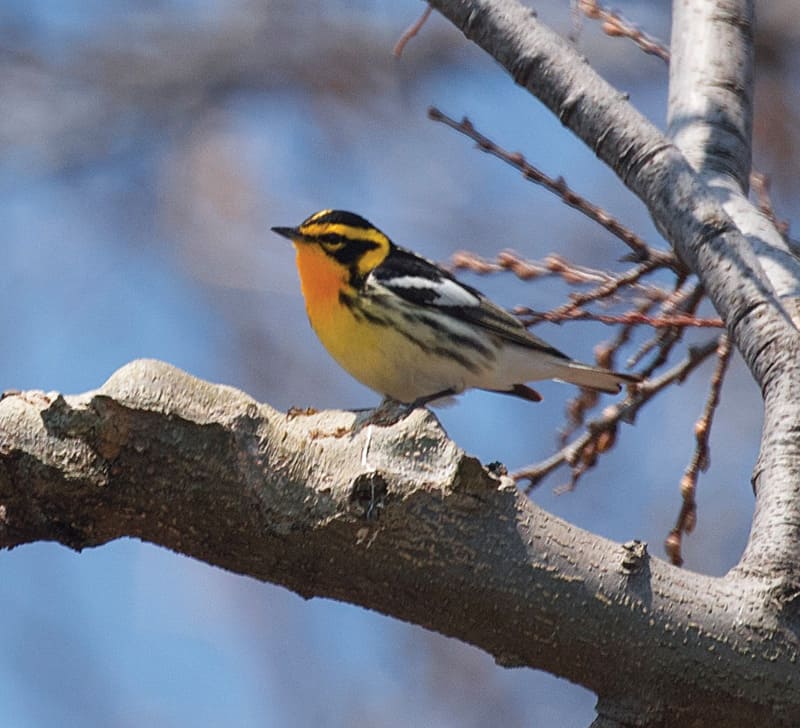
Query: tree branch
[[760, 311], [711, 87], [710, 119], [643, 158], [641, 251], [205, 470]]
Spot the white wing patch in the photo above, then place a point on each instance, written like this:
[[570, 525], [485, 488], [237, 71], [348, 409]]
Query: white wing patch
[[447, 292]]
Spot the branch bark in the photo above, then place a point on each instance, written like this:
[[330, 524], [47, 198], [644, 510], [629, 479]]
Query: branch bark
[[207, 471], [710, 120]]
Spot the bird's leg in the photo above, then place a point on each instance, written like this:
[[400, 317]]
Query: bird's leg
[[391, 411], [387, 413], [428, 398]]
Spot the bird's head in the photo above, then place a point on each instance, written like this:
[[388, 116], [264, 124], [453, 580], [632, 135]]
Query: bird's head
[[347, 238]]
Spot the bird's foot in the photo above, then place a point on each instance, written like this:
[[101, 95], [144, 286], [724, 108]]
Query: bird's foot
[[386, 414]]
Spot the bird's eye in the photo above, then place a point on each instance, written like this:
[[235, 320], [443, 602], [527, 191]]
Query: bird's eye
[[333, 246]]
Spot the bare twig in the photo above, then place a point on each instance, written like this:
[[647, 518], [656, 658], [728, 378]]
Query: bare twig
[[530, 317], [609, 283], [410, 32], [605, 356], [687, 517], [581, 454], [681, 302], [615, 25], [571, 273], [641, 250], [628, 279], [605, 353], [526, 270]]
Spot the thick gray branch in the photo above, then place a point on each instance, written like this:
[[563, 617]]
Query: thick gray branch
[[711, 86], [414, 529], [711, 121]]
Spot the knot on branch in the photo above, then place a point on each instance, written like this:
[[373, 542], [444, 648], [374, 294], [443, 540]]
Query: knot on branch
[[369, 493], [634, 556]]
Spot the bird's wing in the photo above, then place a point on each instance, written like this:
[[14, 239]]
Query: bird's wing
[[423, 283]]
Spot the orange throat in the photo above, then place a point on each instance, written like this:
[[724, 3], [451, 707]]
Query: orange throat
[[321, 280]]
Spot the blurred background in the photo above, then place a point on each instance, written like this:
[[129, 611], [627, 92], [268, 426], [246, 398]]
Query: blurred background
[[146, 147]]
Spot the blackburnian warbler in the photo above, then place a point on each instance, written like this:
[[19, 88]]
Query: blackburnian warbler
[[408, 329]]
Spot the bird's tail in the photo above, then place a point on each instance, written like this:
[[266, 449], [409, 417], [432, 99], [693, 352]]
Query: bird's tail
[[584, 375]]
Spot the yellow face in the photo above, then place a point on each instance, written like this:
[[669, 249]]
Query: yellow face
[[348, 239], [335, 251]]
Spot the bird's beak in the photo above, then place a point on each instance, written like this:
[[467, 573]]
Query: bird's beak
[[287, 232]]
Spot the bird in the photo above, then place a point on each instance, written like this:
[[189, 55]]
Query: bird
[[409, 330]]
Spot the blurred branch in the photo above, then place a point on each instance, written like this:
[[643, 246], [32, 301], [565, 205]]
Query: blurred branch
[[411, 31], [206, 471], [125, 77]]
